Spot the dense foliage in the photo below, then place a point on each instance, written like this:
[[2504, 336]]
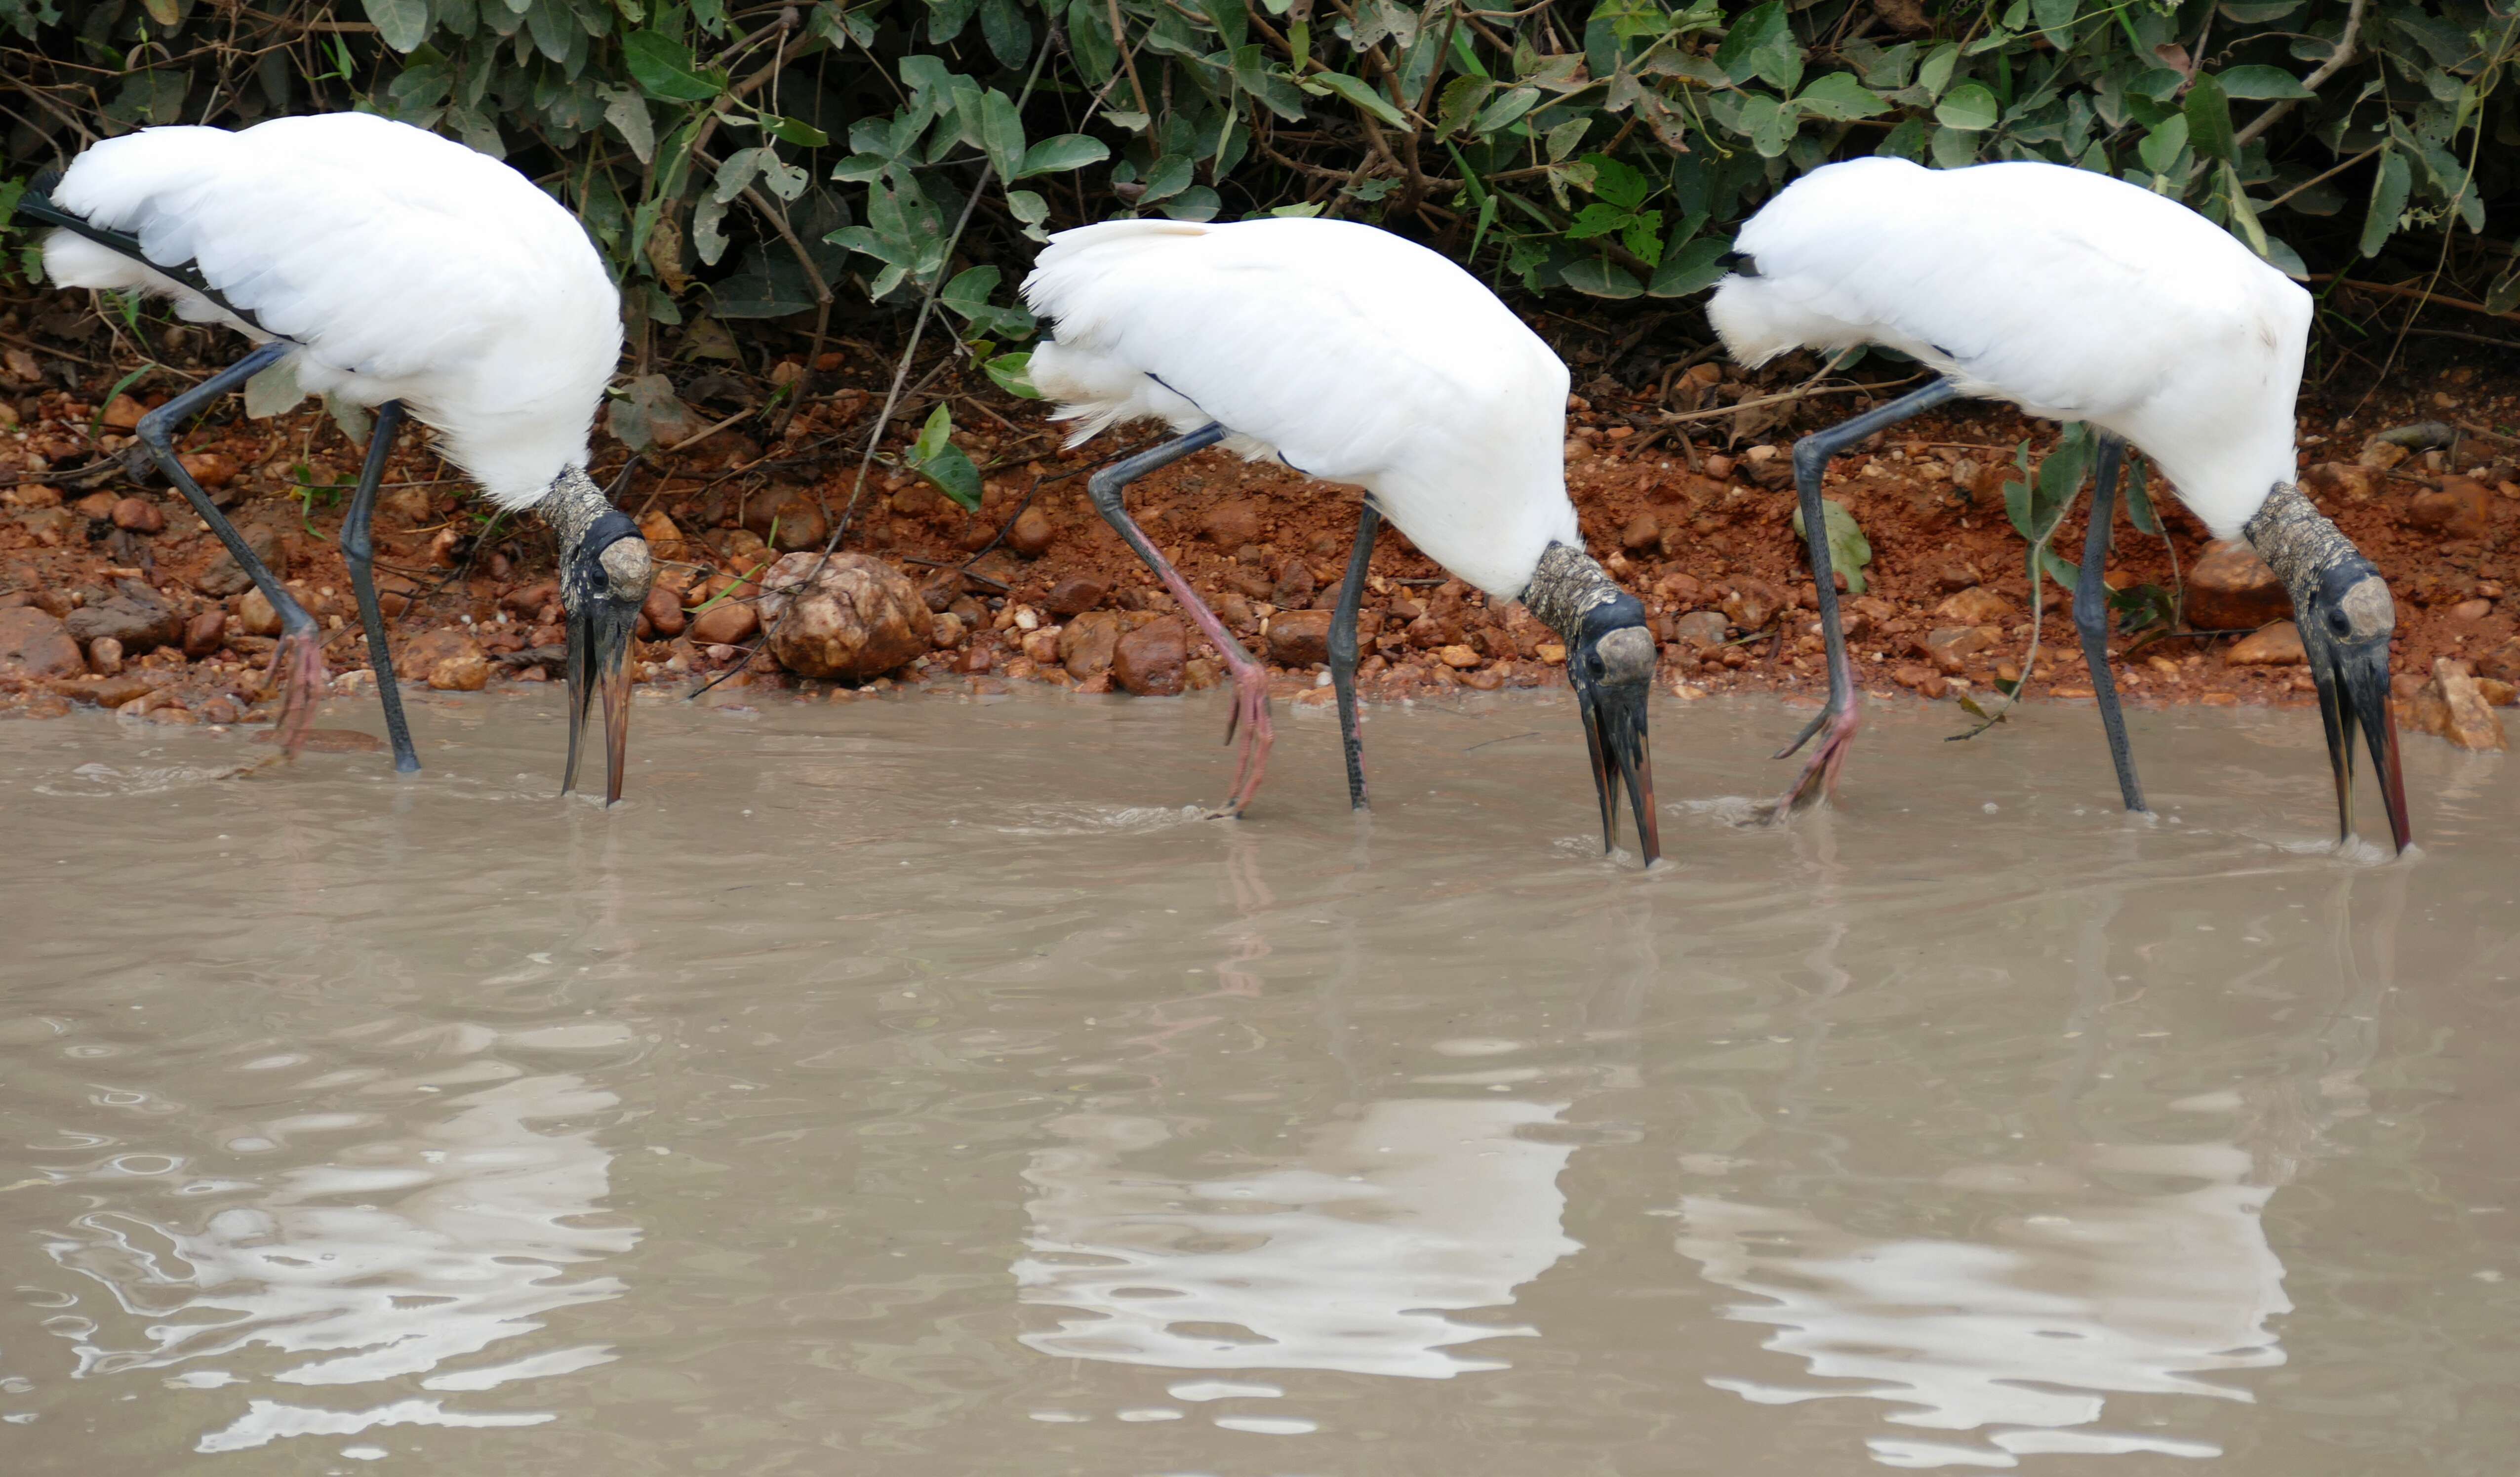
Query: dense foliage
[[761, 161]]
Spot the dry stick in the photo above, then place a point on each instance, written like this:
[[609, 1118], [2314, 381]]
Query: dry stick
[[2336, 61], [1800, 392], [2417, 295]]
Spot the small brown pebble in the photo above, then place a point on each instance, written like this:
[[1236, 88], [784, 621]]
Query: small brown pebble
[[1461, 658], [205, 633], [725, 624], [663, 611], [2274, 645], [219, 709], [121, 413], [1032, 533], [210, 469], [1076, 594], [2471, 609], [139, 516], [255, 614], [95, 505], [105, 656]]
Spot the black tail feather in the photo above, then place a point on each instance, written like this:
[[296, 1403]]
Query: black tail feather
[[37, 206]]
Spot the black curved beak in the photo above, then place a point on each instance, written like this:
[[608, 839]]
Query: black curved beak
[[599, 659], [1614, 738], [2353, 683]]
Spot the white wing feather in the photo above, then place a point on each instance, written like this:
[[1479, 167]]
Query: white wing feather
[[1347, 353], [2072, 294], [409, 267]]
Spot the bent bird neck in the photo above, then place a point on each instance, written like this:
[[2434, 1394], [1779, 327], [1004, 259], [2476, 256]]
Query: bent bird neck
[[572, 506], [1568, 585], [2297, 541]]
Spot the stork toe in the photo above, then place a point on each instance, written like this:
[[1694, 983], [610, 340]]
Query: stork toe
[[298, 670]]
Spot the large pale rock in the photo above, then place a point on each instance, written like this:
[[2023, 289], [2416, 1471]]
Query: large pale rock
[[134, 615], [223, 576], [2231, 588], [858, 618], [1088, 642], [34, 645], [2451, 707], [1149, 660], [1302, 638], [448, 660], [1977, 605], [2275, 645]]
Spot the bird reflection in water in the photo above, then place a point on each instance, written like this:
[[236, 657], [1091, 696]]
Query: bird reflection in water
[[2021, 1337], [1346, 1260], [392, 1260]]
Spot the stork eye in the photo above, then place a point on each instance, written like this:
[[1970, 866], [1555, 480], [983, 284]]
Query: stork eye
[[2339, 624], [1593, 667]]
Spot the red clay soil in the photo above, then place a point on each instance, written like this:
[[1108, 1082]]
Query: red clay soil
[[1690, 523]]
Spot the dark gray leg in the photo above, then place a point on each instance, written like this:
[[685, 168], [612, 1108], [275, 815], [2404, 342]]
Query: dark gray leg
[[1343, 654], [1250, 714], [1811, 461], [360, 554], [2091, 617], [297, 662]]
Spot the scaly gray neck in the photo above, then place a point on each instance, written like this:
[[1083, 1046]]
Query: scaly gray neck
[[1567, 584], [2297, 542], [572, 504]]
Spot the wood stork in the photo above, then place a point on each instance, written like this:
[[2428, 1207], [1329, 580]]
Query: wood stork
[[1351, 355], [2078, 298], [397, 270]]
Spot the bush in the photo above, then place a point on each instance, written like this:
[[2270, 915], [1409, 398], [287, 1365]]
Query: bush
[[755, 160]]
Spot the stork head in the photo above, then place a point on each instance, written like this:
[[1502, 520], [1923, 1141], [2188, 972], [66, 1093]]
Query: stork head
[[2345, 630], [604, 574], [1610, 658], [2345, 618]]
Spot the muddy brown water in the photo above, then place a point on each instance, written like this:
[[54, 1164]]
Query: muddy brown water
[[916, 1085]]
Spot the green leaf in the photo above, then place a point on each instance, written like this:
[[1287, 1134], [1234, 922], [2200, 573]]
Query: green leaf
[[1362, 95], [1692, 268], [2161, 148], [1618, 184], [2209, 120], [1505, 111], [1002, 133], [1761, 44], [1061, 151], [1166, 177], [1936, 73], [1029, 210], [1013, 374], [1565, 138], [795, 132], [1849, 551], [1232, 22], [1597, 219], [663, 68], [628, 113], [1969, 108], [2138, 499], [1837, 95], [967, 294], [1598, 278], [2390, 185], [2261, 84], [400, 23], [936, 434]]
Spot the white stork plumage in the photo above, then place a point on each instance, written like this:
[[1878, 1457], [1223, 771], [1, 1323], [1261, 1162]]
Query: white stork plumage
[[1352, 356], [2076, 297], [398, 270]]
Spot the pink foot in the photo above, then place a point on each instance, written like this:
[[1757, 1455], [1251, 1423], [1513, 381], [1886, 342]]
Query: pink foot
[[298, 670], [1819, 777], [1250, 718]]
